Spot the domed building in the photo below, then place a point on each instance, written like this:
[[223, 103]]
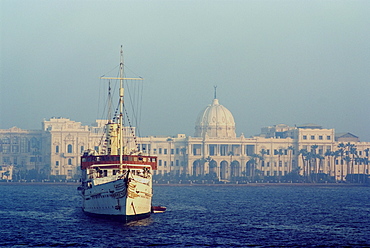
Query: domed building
[[215, 121]]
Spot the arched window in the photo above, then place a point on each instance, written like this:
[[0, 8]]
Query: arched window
[[69, 149], [69, 161]]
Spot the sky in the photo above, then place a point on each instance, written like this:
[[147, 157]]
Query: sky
[[273, 61]]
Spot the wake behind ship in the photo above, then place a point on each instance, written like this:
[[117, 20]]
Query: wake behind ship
[[118, 183]]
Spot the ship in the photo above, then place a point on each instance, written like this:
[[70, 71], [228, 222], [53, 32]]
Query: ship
[[117, 183]]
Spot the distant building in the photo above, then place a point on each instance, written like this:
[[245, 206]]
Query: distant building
[[214, 152], [23, 151], [6, 172]]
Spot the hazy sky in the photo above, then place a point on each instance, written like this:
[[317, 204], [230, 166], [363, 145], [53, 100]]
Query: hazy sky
[[291, 62]]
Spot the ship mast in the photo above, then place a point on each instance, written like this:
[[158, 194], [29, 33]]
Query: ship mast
[[121, 102], [120, 125]]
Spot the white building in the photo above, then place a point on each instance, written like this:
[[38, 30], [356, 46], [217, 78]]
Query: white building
[[214, 152]]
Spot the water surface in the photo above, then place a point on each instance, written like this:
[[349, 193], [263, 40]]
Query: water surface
[[196, 216]]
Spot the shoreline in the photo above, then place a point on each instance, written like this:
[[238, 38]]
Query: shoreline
[[209, 185], [272, 184]]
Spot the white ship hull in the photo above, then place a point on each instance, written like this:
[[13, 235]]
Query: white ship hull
[[121, 199]]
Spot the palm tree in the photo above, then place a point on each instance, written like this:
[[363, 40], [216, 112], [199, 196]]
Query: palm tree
[[303, 153], [358, 161], [328, 155], [350, 148], [314, 159], [341, 147], [262, 154], [320, 158], [279, 153], [183, 152], [208, 160], [252, 164], [231, 154], [309, 158], [366, 162], [335, 155], [290, 166]]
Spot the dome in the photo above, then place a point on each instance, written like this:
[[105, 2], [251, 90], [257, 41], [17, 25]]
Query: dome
[[215, 121]]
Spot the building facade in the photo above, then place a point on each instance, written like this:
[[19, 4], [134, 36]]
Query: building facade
[[215, 152], [311, 151]]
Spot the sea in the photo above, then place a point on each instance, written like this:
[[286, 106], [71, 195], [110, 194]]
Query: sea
[[48, 215]]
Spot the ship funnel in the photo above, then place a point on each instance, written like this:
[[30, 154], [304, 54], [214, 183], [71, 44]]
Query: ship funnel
[[112, 139]]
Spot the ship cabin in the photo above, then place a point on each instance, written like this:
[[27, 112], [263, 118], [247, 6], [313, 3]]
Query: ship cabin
[[129, 161], [100, 166]]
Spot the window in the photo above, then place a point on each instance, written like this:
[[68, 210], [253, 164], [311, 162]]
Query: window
[[6, 149], [212, 150], [164, 151], [320, 137], [56, 163], [69, 148], [249, 150], [24, 144], [304, 137], [312, 137], [224, 150], [160, 162], [56, 149], [82, 149], [172, 151], [160, 151], [15, 140], [236, 150], [6, 140], [196, 149], [69, 161], [15, 148], [328, 137]]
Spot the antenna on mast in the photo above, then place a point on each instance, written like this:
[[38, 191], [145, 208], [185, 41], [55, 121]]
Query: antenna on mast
[[215, 87]]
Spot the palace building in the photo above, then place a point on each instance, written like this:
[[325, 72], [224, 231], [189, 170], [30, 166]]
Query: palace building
[[215, 151]]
